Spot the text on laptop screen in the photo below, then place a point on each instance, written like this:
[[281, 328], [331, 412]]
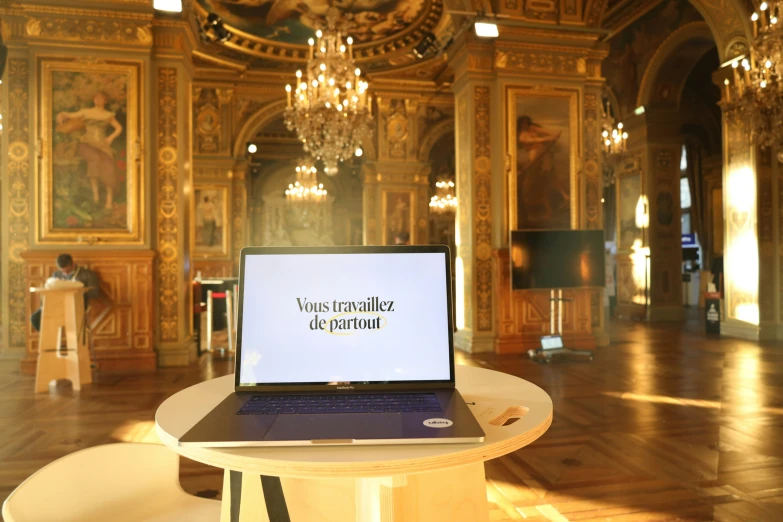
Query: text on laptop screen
[[339, 318]]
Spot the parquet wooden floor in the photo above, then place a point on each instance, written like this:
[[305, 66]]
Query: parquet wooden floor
[[663, 425]]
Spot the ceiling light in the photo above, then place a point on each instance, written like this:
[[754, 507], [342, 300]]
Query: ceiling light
[[252, 148], [170, 6], [486, 29]]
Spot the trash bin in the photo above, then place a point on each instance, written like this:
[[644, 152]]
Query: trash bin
[[712, 312]]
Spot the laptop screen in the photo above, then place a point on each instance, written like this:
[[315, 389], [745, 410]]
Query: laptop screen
[[339, 318]]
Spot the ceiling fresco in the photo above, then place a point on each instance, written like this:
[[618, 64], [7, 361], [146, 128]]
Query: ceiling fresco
[[294, 21]]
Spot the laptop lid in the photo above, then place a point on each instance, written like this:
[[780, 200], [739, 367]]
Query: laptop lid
[[344, 318]]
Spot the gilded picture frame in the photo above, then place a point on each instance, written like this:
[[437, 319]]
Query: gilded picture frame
[[537, 105], [210, 227], [398, 211], [90, 175]]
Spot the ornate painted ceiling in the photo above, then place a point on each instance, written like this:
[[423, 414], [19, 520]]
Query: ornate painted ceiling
[[278, 30]]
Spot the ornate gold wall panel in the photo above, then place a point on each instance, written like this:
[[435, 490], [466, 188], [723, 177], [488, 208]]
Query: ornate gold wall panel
[[593, 184], [59, 29], [465, 215], [540, 61], [766, 232], [121, 322], [523, 316], [483, 214], [169, 264], [18, 129]]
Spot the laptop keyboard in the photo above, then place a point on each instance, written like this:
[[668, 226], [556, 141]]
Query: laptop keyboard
[[359, 403]]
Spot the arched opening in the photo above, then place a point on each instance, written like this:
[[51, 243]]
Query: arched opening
[[272, 167]]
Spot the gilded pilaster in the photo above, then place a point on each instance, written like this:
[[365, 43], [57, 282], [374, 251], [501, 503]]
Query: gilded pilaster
[[17, 204], [169, 262]]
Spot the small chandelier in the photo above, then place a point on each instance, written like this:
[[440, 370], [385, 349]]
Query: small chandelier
[[444, 200], [329, 106], [305, 189], [758, 86], [613, 142]]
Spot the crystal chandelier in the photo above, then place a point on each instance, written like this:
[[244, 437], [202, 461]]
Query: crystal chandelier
[[613, 143], [444, 200], [329, 106], [305, 189], [758, 86]]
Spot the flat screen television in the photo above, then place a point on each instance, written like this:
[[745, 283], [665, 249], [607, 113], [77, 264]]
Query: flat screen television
[[555, 259]]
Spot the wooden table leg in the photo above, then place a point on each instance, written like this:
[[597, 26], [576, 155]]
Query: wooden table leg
[[452, 495]]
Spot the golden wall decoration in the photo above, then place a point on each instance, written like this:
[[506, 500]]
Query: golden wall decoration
[[537, 62], [212, 221], [90, 180], [206, 120], [168, 194], [464, 269], [593, 184], [18, 129], [483, 214], [90, 30], [120, 321]]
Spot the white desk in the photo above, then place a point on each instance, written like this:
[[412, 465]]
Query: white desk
[[410, 483]]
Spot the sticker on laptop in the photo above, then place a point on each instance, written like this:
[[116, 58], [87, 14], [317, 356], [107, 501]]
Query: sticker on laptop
[[438, 423]]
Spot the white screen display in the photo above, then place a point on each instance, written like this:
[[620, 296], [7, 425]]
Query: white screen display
[[329, 318]]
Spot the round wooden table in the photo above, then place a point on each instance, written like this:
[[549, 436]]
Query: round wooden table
[[411, 483]]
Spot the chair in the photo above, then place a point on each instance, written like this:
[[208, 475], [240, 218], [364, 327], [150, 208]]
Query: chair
[[118, 482]]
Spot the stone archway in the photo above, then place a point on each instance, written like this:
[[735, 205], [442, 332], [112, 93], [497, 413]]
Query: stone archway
[[696, 35], [255, 123], [729, 22], [432, 136]]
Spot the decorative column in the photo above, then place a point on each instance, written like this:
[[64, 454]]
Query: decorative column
[[503, 87], [475, 129], [396, 183], [173, 188], [752, 203]]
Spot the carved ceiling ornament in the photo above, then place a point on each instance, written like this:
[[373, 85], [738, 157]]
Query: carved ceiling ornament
[[385, 30]]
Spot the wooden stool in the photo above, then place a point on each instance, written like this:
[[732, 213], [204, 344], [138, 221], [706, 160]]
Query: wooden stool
[[62, 311]]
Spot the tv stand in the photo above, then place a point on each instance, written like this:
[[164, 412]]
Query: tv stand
[[546, 355]]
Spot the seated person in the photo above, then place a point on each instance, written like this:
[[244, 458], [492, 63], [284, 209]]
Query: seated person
[[403, 238], [70, 271]]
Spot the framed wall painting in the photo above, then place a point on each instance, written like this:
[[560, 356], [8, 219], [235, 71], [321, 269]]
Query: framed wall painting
[[211, 221], [90, 183], [398, 217], [543, 144]]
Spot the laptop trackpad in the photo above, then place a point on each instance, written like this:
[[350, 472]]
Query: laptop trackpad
[[336, 426]]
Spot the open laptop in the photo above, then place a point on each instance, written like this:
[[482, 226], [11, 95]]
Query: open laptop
[[342, 345]]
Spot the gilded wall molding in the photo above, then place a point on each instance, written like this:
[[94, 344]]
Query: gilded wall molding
[[168, 212], [89, 30], [18, 206], [591, 169], [540, 62], [483, 216], [591, 165], [464, 215]]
